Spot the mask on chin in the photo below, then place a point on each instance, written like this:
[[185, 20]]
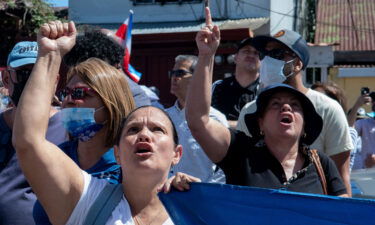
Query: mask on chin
[[272, 71], [80, 122], [17, 92]]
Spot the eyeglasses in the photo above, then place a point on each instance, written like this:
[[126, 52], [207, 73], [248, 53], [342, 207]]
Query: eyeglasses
[[77, 93], [19, 76], [277, 53], [178, 73]]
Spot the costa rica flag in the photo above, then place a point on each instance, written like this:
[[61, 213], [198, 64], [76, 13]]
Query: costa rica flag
[[124, 32]]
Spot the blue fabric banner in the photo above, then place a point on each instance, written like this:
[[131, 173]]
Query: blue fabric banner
[[217, 204]]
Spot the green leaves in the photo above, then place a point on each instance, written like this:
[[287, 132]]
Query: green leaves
[[20, 20]]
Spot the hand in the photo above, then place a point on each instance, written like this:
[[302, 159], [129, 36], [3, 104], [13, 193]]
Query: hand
[[370, 161], [363, 99], [208, 38], [56, 36], [180, 181]]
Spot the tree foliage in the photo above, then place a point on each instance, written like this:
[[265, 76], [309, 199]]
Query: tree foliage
[[20, 20], [311, 17]]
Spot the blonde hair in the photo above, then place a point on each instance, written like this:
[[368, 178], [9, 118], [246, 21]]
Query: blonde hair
[[110, 84]]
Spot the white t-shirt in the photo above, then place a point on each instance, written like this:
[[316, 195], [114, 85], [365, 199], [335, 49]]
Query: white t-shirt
[[121, 215], [194, 160], [365, 129], [335, 136]]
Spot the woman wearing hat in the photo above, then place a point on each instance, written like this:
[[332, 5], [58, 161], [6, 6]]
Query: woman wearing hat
[[283, 126]]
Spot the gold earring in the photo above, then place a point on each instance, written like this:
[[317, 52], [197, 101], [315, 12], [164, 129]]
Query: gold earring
[[261, 133]]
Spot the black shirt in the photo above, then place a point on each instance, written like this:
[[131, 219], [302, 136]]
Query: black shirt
[[228, 96], [249, 163]]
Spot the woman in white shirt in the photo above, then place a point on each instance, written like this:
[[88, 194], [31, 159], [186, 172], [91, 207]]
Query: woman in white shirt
[[146, 149]]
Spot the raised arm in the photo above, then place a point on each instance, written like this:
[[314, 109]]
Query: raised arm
[[361, 100], [54, 177], [210, 134]]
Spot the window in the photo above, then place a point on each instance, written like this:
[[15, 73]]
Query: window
[[135, 2], [313, 75]]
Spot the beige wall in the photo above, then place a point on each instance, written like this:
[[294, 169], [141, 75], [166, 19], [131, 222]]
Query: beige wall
[[352, 86]]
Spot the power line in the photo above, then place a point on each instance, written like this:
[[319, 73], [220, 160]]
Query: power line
[[191, 8], [280, 20], [309, 22]]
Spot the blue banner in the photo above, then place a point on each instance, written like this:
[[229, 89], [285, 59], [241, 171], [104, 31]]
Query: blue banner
[[217, 204]]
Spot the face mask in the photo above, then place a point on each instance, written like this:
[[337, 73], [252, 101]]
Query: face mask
[[271, 71], [80, 122], [5, 101], [17, 91]]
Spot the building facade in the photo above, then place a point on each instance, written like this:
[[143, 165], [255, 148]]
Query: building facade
[[163, 29]]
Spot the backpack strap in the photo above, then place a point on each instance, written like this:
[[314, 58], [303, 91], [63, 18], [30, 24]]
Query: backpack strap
[[319, 169], [104, 205]]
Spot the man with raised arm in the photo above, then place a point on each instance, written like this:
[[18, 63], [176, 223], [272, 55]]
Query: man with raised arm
[[365, 158]]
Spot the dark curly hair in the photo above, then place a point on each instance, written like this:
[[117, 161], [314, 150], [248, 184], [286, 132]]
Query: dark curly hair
[[93, 43]]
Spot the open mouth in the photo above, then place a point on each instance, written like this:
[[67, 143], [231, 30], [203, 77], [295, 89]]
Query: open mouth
[[143, 151], [286, 119]]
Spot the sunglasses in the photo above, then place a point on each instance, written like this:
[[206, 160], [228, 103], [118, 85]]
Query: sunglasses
[[77, 93], [19, 76], [178, 73], [277, 53]]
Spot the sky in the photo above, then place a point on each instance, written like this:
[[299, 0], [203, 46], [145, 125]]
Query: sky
[[58, 3]]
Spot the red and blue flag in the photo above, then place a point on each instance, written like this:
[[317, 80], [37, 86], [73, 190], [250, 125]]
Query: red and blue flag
[[125, 33]]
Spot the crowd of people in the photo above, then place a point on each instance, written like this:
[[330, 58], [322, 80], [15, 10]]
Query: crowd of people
[[104, 139]]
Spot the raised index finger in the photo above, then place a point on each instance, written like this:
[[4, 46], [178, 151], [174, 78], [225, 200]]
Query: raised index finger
[[208, 17]]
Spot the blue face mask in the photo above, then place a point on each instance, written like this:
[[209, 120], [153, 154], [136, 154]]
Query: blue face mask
[[80, 122]]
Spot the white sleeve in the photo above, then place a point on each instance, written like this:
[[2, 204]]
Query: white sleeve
[[92, 187], [336, 131], [218, 116]]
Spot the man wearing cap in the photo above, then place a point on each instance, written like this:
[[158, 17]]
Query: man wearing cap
[[16, 197], [284, 57], [365, 158], [231, 94], [194, 161]]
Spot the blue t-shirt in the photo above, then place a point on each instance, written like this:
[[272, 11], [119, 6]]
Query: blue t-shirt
[[106, 168], [16, 196]]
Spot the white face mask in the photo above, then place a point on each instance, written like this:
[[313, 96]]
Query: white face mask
[[271, 71]]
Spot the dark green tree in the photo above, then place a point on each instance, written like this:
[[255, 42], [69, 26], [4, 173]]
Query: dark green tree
[[311, 18], [20, 20]]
